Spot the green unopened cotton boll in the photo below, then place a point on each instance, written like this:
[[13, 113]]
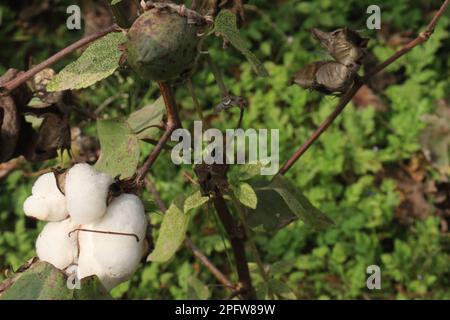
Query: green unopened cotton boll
[[46, 202], [161, 45], [112, 257], [55, 246], [86, 193]]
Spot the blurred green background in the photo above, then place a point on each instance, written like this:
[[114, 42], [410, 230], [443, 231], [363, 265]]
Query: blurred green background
[[381, 171]]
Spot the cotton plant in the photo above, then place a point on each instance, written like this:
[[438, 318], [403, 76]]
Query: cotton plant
[[107, 241]]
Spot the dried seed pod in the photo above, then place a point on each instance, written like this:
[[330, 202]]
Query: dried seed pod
[[162, 45], [344, 45], [327, 77]]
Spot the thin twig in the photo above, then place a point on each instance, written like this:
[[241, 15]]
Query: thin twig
[[173, 122], [23, 77], [346, 98], [249, 237], [197, 105], [237, 241], [222, 278]]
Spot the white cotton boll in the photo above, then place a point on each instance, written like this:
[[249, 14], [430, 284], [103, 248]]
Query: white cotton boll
[[54, 245], [114, 258], [46, 201], [86, 192]]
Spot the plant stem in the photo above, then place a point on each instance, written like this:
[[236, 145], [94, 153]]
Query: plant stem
[[237, 244], [25, 76], [222, 278], [191, 89], [173, 122], [346, 98], [249, 237], [218, 76]]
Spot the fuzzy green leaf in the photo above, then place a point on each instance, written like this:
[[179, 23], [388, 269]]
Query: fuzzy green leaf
[[142, 121], [119, 148], [299, 204], [171, 234], [197, 290], [246, 195], [97, 62], [42, 281], [226, 26], [194, 201], [281, 289]]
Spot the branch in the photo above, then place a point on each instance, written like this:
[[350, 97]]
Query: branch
[[238, 245], [173, 122], [222, 278], [23, 77], [421, 38]]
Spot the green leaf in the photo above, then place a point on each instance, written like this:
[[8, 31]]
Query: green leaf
[[97, 62], [281, 289], [272, 212], [243, 172], [42, 281], [119, 148], [261, 291], [226, 26], [113, 2], [281, 267], [171, 234], [142, 120], [246, 195], [194, 201], [299, 204], [197, 290]]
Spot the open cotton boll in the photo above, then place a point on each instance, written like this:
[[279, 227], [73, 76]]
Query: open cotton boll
[[86, 192], [112, 257], [54, 245], [46, 201]]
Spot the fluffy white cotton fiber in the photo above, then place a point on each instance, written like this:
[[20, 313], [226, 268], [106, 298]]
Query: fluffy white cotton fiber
[[46, 202], [86, 192], [112, 257], [55, 246]]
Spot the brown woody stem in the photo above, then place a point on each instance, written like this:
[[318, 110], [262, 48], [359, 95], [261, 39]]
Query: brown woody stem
[[222, 278], [346, 98], [23, 77]]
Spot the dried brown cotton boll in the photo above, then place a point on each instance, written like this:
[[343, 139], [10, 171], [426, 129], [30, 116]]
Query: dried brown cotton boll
[[114, 254], [86, 193], [55, 246], [162, 45]]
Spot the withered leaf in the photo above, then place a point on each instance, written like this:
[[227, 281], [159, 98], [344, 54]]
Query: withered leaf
[[54, 134]]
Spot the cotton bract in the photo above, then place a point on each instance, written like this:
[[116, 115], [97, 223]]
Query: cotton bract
[[112, 257], [86, 192], [55, 246], [46, 202]]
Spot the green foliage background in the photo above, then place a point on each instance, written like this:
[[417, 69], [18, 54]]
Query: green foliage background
[[341, 174]]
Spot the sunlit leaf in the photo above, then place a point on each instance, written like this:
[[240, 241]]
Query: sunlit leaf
[[97, 62], [119, 148], [246, 195], [194, 201], [171, 234]]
